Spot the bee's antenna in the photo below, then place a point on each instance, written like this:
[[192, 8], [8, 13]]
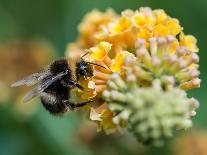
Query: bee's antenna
[[96, 64], [92, 62], [84, 55]]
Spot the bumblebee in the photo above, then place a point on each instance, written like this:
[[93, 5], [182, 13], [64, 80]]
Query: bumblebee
[[55, 82]]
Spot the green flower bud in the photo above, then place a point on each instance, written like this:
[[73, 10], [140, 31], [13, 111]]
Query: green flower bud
[[153, 114]]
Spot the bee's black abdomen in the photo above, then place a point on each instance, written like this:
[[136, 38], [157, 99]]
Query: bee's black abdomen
[[52, 98], [54, 109], [53, 103]]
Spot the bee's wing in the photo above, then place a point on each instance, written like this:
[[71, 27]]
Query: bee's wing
[[31, 94], [32, 79], [41, 87]]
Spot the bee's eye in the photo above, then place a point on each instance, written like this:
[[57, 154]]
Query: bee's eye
[[84, 70]]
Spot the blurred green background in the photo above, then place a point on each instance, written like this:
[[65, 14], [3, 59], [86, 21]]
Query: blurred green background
[[55, 22]]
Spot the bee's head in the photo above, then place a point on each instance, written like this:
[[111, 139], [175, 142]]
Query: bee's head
[[84, 69]]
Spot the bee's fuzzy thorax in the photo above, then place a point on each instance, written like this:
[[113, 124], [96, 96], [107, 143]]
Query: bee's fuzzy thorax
[[59, 66], [72, 66]]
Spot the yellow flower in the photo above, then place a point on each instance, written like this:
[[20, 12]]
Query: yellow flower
[[189, 41], [160, 15], [97, 84], [160, 30], [91, 22], [144, 18], [174, 27], [100, 51], [118, 62], [144, 41], [88, 28], [89, 86], [144, 33], [143, 23], [123, 31], [123, 24], [103, 116], [99, 54], [165, 57], [162, 58], [140, 20]]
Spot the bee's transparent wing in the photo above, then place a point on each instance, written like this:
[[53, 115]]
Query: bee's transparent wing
[[32, 79], [31, 94], [41, 87]]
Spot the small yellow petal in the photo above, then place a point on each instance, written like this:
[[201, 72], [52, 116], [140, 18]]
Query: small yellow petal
[[160, 30], [174, 46], [121, 25], [144, 17], [89, 86], [100, 51], [107, 122], [160, 15], [139, 19], [128, 13], [103, 116], [118, 62], [95, 116], [144, 34], [174, 27], [189, 41]]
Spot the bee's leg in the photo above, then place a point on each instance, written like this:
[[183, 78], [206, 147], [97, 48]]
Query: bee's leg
[[72, 84], [73, 105], [79, 87]]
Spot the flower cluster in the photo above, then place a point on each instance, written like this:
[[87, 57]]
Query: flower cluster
[[152, 114], [167, 60], [143, 24], [148, 64]]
